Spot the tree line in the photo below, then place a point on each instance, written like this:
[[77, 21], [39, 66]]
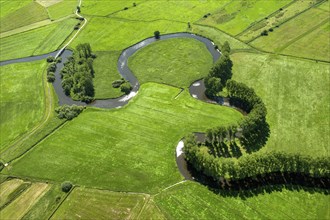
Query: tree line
[[254, 164], [77, 74]]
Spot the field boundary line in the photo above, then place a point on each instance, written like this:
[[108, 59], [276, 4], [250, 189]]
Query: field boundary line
[[59, 205], [287, 20], [279, 50]]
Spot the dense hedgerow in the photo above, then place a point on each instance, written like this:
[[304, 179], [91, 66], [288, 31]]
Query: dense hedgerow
[[68, 112]]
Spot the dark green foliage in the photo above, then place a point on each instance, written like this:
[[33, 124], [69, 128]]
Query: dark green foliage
[[58, 60], [50, 59], [68, 112], [126, 8], [264, 33], [117, 83], [126, 88], [51, 67], [77, 74], [50, 76], [213, 86], [66, 186], [134, 4], [76, 27], [157, 34], [78, 9]]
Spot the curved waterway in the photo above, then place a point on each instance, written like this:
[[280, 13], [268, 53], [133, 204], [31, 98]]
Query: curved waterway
[[196, 90]]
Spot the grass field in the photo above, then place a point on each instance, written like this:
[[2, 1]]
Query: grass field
[[131, 134], [193, 201], [28, 14], [8, 6], [177, 62], [117, 34], [7, 189], [296, 94], [277, 18], [105, 73], [38, 41], [104, 8], [47, 204], [62, 9], [183, 11], [236, 16], [85, 203], [21, 99], [315, 45], [293, 30], [22, 204]]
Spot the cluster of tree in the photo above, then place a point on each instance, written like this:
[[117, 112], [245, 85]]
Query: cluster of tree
[[219, 73], [77, 74], [66, 186], [254, 164], [255, 129], [51, 68], [123, 84], [68, 112]]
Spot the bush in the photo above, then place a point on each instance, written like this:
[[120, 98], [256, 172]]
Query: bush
[[76, 27], [66, 186], [68, 112], [93, 55], [157, 34], [50, 76], [117, 83], [271, 29], [51, 67], [134, 4], [126, 88], [264, 33], [50, 59], [78, 9], [126, 8], [58, 60]]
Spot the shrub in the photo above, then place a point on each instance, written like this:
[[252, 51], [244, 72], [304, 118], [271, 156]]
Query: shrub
[[264, 33], [126, 88], [93, 55], [51, 67], [134, 4], [216, 47], [271, 29], [157, 34], [126, 8], [78, 9], [117, 83], [50, 59], [58, 60], [68, 112], [205, 16], [66, 186], [76, 27], [50, 76]]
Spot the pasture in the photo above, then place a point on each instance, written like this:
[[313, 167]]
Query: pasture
[[296, 96], [177, 62], [84, 203], [149, 147], [22, 100]]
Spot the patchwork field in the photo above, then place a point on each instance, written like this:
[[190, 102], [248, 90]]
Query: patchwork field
[[37, 41], [149, 146]]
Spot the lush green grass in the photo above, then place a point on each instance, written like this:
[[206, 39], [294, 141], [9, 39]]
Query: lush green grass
[[62, 9], [184, 11], [104, 8], [28, 14], [21, 205], [236, 16], [46, 204], [144, 135], [113, 34], [177, 62], [296, 94], [151, 212], [325, 6], [21, 99], [315, 45], [37, 41], [293, 30], [276, 19], [106, 72], [9, 6], [219, 37], [85, 203], [193, 201]]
